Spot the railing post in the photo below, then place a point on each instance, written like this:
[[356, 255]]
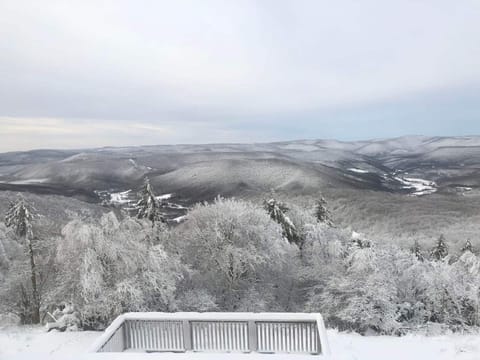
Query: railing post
[[187, 335], [125, 336], [252, 336]]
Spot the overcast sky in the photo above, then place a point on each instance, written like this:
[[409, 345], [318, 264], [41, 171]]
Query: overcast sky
[[77, 74]]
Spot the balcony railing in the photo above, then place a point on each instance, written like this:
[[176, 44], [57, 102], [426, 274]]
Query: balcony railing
[[215, 332]]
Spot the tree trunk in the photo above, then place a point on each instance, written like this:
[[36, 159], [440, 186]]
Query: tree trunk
[[24, 306], [36, 299]]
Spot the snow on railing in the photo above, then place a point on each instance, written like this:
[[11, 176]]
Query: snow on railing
[[220, 332]]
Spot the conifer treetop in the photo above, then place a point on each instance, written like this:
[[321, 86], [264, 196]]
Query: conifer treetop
[[440, 250], [148, 206], [20, 216]]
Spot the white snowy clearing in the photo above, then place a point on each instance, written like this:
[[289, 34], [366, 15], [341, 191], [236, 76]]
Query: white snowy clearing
[[128, 197], [120, 197], [179, 219], [28, 181], [35, 343], [358, 171], [164, 197], [418, 186]]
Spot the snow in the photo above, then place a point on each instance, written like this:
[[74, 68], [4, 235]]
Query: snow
[[28, 181], [356, 235], [120, 197], [179, 219], [300, 147], [36, 343], [164, 196], [230, 316], [410, 347], [28, 342], [418, 186], [175, 206], [463, 188], [359, 171], [125, 197]]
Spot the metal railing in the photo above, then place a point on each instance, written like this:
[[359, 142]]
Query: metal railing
[[215, 332]]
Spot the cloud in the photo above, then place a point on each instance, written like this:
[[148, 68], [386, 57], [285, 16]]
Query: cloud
[[77, 133], [18, 133], [196, 70]]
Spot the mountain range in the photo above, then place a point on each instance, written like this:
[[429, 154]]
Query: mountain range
[[398, 172]]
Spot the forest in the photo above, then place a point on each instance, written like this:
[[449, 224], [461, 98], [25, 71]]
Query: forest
[[229, 255]]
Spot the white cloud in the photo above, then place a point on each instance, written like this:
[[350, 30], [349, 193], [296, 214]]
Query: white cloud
[[209, 65]]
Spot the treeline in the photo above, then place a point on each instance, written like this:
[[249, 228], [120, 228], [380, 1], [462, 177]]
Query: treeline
[[231, 255]]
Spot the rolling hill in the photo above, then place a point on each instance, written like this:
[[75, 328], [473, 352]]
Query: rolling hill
[[437, 178]]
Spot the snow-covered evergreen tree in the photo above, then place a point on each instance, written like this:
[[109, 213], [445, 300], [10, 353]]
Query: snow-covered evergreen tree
[[19, 217], [148, 207], [417, 250], [440, 250], [277, 211], [467, 247], [322, 213]]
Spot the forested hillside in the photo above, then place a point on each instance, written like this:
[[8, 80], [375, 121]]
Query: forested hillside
[[393, 190]]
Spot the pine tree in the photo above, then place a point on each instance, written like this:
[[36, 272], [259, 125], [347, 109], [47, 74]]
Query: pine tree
[[148, 205], [19, 217], [417, 250], [277, 210], [467, 247], [440, 250], [321, 212]]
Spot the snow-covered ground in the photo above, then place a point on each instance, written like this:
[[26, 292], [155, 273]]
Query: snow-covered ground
[[164, 197], [28, 181], [127, 197], [36, 343], [120, 198], [418, 186], [179, 219], [358, 171]]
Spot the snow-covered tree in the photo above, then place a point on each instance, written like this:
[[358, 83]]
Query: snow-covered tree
[[303, 219], [417, 250], [412, 288], [148, 207], [470, 262], [364, 297], [233, 247], [19, 217], [322, 261], [467, 247], [111, 267], [359, 240], [277, 211], [468, 266], [440, 250], [322, 213], [4, 260]]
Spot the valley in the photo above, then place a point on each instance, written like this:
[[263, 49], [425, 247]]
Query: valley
[[436, 178]]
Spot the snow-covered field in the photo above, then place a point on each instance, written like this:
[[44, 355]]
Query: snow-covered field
[[120, 198], [36, 343], [418, 187], [28, 181], [359, 171]]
